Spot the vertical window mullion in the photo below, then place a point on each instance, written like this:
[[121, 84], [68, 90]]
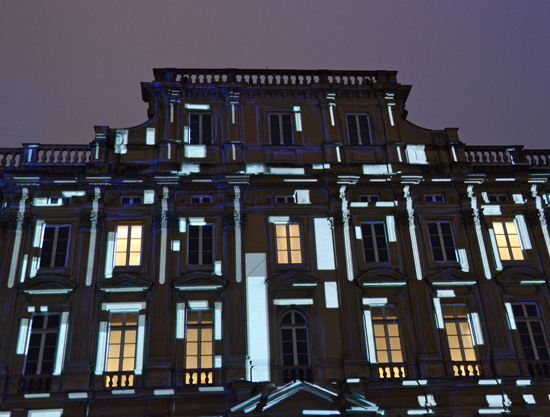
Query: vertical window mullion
[[358, 127], [441, 242], [200, 244], [281, 133], [532, 338]]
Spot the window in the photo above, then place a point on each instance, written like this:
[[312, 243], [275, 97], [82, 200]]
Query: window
[[201, 199], [289, 249], [199, 347], [284, 199], [437, 198], [200, 128], [121, 353], [42, 344], [294, 339], [459, 333], [128, 245], [358, 129], [374, 242], [386, 334], [493, 198], [54, 247], [508, 243], [131, 201], [371, 198], [201, 245], [533, 340], [280, 128], [442, 242]]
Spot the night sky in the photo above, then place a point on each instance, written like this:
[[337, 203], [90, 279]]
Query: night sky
[[481, 66]]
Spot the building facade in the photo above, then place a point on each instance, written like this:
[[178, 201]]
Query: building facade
[[275, 243]]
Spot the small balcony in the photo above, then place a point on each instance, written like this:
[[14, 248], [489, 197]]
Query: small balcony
[[471, 369], [538, 369], [118, 380], [297, 373], [34, 384], [391, 371]]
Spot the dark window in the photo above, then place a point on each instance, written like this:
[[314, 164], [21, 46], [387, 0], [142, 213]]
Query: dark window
[[199, 347], [437, 198], [358, 129], [280, 127], [442, 242], [200, 245], [42, 344], [55, 245], [201, 199], [493, 198], [374, 242], [131, 201], [294, 339], [532, 337], [200, 128], [371, 198], [284, 199]]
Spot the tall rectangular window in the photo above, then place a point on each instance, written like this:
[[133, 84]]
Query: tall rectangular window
[[128, 245], [509, 245], [200, 128], [386, 334], [201, 245], [280, 128], [121, 353], [374, 242], [42, 344], [459, 333], [199, 347], [532, 337], [289, 249], [442, 241], [358, 129], [54, 247]]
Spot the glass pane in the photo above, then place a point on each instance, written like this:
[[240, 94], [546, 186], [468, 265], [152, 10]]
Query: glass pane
[[517, 254], [456, 355], [191, 362], [128, 364], [296, 257], [470, 354], [393, 330], [464, 328], [206, 317], [280, 230], [130, 336], [192, 317], [206, 335], [382, 356], [451, 328], [192, 348], [38, 322], [129, 350], [501, 241], [448, 311], [497, 226], [461, 311], [396, 356], [135, 259], [281, 243], [453, 342], [112, 364], [294, 243], [282, 257], [394, 343], [287, 319], [136, 232], [135, 245], [294, 230], [122, 232], [379, 330], [376, 313], [206, 348], [504, 253], [192, 335], [380, 343], [120, 259], [131, 319], [206, 362], [115, 337], [467, 342]]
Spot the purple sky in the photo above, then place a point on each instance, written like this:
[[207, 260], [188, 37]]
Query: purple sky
[[66, 66]]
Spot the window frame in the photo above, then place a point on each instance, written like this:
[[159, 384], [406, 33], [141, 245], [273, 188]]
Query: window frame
[[528, 321], [506, 235], [440, 236], [373, 239], [208, 373], [128, 251], [123, 328], [433, 198], [43, 332], [55, 245], [286, 199], [200, 249], [201, 199], [200, 140], [369, 198], [294, 339], [288, 250], [282, 141], [385, 322], [360, 139]]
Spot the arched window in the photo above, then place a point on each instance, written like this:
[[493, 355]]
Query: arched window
[[294, 339]]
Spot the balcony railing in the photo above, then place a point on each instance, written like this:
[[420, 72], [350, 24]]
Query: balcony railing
[[118, 380], [273, 77], [467, 369], [10, 157], [297, 373], [34, 385], [539, 369], [506, 155], [199, 377], [392, 371]]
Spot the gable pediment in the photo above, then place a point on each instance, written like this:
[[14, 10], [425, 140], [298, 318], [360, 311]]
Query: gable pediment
[[47, 284], [520, 275], [292, 279], [199, 281], [299, 396], [382, 277], [452, 276], [124, 283]]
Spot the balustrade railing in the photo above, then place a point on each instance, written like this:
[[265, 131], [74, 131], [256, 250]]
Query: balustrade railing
[[392, 371], [34, 385], [539, 369], [467, 369], [59, 155], [199, 377], [297, 373], [274, 77], [10, 157], [506, 155], [118, 380]]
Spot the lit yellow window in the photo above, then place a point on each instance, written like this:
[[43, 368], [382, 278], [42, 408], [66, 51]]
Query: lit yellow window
[[121, 353], [199, 348], [289, 249], [509, 245], [387, 341], [128, 245]]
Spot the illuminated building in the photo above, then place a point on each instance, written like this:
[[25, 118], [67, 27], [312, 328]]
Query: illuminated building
[[274, 243]]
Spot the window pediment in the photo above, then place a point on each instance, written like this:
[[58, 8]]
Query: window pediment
[[47, 284], [452, 277], [382, 277], [124, 283], [520, 276], [200, 281], [292, 279]]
